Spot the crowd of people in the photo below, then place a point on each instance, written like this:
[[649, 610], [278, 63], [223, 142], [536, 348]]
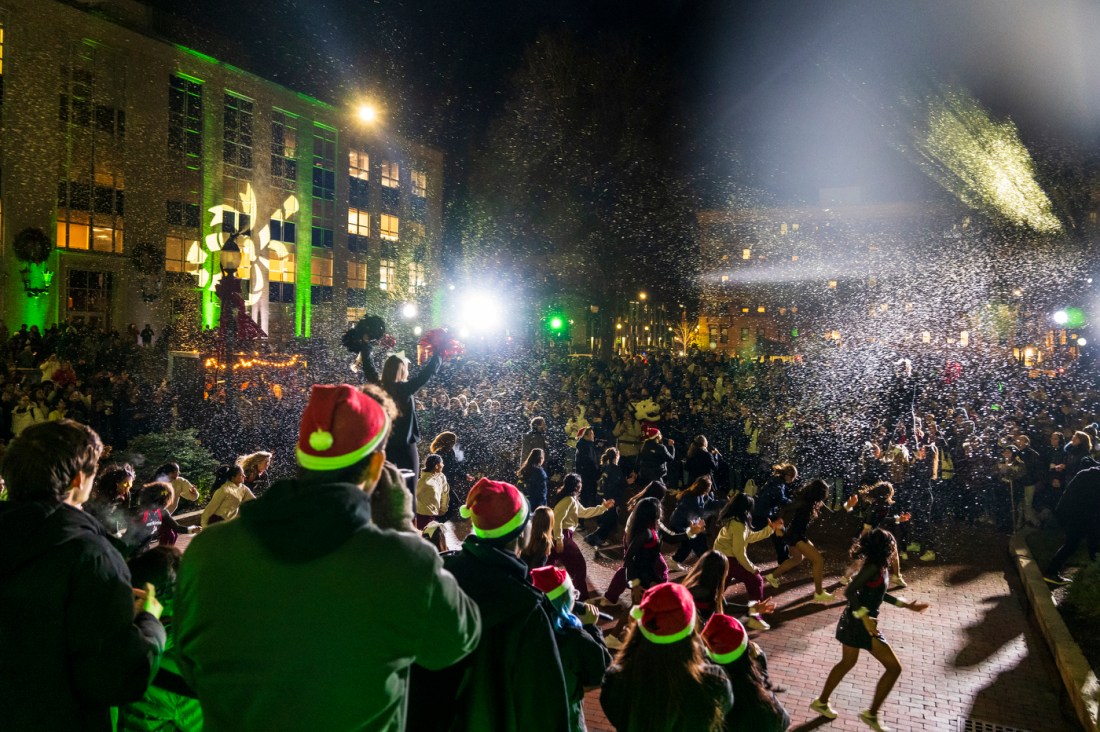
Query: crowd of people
[[705, 455]]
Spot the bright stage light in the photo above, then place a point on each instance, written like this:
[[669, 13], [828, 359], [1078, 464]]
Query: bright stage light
[[409, 310], [480, 312], [417, 330], [1061, 317], [1082, 342]]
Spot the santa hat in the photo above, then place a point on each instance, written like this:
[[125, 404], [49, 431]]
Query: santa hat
[[666, 613], [725, 638], [554, 581], [497, 510], [650, 432], [340, 426]]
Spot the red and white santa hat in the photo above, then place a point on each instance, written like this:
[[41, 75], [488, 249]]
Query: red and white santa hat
[[666, 613], [340, 426], [650, 432], [725, 638], [496, 510], [554, 581]]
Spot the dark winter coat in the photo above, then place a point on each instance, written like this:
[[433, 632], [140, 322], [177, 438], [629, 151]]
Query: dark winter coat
[[1080, 503], [584, 659], [303, 614], [772, 497], [70, 646], [653, 461], [534, 485], [514, 680], [701, 463], [530, 441]]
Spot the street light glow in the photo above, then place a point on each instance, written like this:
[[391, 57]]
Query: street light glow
[[481, 312], [1082, 342], [409, 310], [1061, 317], [367, 113]]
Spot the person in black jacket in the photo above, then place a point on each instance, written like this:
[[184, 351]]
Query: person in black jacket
[[1078, 512], [74, 641], [654, 457], [775, 494], [513, 680], [405, 432], [587, 464]]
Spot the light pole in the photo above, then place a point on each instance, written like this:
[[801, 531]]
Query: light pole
[[229, 259]]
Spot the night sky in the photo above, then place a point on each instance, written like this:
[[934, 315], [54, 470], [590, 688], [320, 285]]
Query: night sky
[[805, 93]]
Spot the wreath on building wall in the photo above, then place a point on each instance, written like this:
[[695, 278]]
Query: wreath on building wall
[[148, 260], [32, 246]]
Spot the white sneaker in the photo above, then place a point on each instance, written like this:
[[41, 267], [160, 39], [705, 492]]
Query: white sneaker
[[612, 642], [914, 547], [772, 580], [872, 721], [928, 556], [845, 580], [825, 709], [673, 565], [824, 597], [757, 623], [602, 601], [899, 581]]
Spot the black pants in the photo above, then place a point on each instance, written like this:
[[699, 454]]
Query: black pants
[[697, 544], [782, 551], [606, 523], [1074, 537], [404, 455]]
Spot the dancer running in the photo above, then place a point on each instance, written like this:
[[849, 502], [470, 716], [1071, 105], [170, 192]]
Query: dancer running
[[694, 502], [857, 628], [568, 513], [807, 505], [772, 498], [879, 513], [734, 536]]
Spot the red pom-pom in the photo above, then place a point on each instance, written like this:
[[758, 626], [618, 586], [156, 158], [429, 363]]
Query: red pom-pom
[[438, 341]]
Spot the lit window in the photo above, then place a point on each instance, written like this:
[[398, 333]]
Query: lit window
[[281, 268], [794, 257], [725, 278], [744, 310], [794, 227], [872, 281], [283, 237], [387, 275], [284, 150], [389, 227], [1, 49], [357, 274], [908, 307], [832, 284], [321, 268], [782, 228], [760, 309], [358, 222], [884, 307], [420, 183], [964, 338], [181, 254], [744, 334], [417, 277], [237, 138], [926, 337], [359, 164], [746, 254], [391, 174]]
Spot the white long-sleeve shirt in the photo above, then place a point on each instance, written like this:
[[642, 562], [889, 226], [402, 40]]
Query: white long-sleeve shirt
[[569, 512], [734, 539], [433, 494], [182, 488], [227, 501]]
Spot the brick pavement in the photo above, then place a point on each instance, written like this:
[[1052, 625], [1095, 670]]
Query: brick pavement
[[973, 653]]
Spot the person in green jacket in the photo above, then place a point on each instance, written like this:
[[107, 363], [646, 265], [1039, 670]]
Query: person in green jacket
[[304, 614]]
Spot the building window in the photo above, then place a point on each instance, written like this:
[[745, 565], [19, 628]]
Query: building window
[[387, 275], [761, 309], [284, 150], [725, 278], [180, 254], [417, 277], [420, 183], [832, 284], [358, 274], [724, 335], [358, 222], [90, 217], [183, 214], [236, 193], [237, 138], [390, 226], [391, 174], [284, 231], [414, 230], [185, 121], [744, 334], [321, 268], [746, 254], [358, 165], [281, 255], [324, 163], [322, 237]]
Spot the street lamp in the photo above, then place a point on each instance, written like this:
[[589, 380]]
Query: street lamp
[[1061, 317], [409, 310], [367, 113], [229, 259]]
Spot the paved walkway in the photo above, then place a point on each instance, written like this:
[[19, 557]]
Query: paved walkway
[[972, 654]]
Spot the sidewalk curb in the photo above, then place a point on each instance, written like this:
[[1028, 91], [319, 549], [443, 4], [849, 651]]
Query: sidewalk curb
[[1077, 676]]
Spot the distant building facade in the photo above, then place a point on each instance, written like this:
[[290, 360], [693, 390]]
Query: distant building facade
[[126, 149]]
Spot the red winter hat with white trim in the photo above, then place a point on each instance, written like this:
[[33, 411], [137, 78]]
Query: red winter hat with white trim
[[554, 581], [340, 426], [666, 613], [496, 510], [725, 638], [650, 432]]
